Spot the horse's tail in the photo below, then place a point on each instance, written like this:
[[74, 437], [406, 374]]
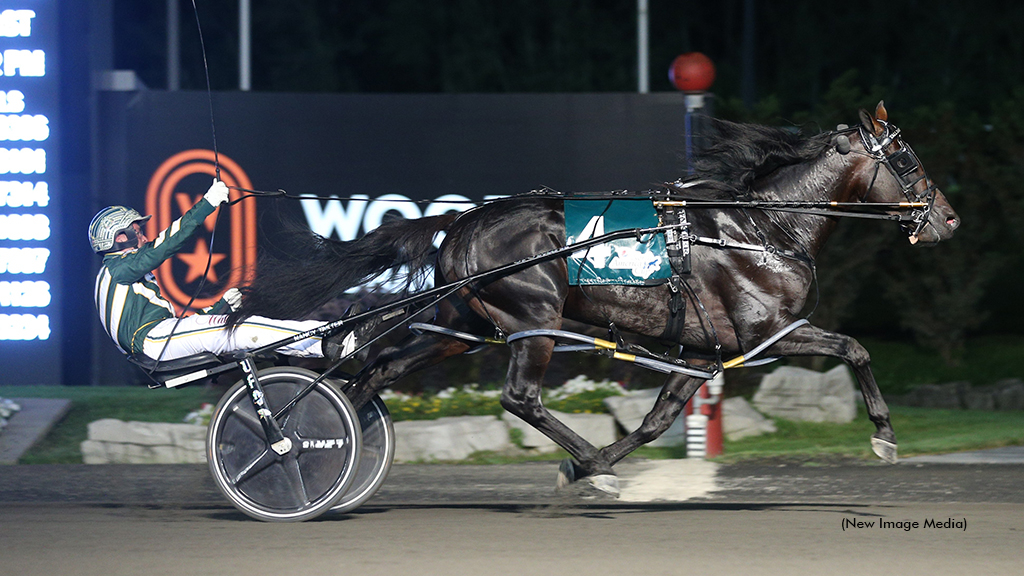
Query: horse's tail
[[314, 269]]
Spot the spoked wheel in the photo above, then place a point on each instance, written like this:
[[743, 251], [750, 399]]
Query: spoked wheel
[[375, 458], [305, 482]]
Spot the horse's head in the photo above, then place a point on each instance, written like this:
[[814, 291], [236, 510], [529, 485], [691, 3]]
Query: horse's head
[[903, 180]]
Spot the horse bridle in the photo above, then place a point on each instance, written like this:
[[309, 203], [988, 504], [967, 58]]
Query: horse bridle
[[902, 164]]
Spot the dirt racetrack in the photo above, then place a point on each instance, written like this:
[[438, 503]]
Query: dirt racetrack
[[454, 520]]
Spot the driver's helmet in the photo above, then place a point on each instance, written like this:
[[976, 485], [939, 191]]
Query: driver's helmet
[[110, 221]]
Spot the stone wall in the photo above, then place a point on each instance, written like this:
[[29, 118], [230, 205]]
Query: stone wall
[[7, 409], [740, 420], [1004, 395], [113, 441], [117, 442], [799, 394], [444, 439], [452, 438]]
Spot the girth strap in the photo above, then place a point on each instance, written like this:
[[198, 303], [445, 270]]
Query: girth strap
[[677, 311], [677, 246]]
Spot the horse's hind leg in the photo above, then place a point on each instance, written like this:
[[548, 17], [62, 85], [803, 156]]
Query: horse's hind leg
[[410, 355], [522, 397], [674, 395], [813, 341]]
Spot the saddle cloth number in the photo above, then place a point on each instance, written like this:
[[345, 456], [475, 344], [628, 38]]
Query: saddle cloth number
[[624, 261]]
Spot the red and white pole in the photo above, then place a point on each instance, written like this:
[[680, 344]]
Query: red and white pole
[[704, 420]]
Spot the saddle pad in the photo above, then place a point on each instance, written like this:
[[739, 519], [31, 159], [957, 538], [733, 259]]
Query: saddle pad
[[624, 261]]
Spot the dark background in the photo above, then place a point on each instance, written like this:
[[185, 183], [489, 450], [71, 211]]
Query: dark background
[[951, 73], [919, 52]]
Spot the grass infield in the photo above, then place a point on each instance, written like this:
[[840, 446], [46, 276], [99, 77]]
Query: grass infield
[[919, 430]]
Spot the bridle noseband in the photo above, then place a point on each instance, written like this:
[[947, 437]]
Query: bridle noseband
[[902, 164]]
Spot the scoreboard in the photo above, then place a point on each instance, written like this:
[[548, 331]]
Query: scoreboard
[[29, 179]]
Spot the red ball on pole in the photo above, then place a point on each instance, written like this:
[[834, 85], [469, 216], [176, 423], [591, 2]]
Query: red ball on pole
[[692, 72]]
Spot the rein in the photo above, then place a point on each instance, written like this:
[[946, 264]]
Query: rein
[[213, 232], [816, 208]]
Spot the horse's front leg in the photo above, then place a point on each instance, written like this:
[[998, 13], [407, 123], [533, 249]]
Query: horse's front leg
[[674, 395], [813, 341], [522, 397]]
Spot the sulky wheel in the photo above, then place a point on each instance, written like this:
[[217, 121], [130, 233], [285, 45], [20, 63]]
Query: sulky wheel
[[304, 482], [375, 458]]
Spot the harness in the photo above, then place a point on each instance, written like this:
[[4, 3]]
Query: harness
[[901, 163], [677, 247]]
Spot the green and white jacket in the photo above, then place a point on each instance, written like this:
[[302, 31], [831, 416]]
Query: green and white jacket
[[127, 296]]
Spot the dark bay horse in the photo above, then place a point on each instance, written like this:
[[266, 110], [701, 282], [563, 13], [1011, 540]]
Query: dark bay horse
[[736, 299]]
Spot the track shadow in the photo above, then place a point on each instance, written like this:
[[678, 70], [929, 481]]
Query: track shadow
[[236, 516]]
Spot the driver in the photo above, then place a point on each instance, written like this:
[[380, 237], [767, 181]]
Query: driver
[[142, 322]]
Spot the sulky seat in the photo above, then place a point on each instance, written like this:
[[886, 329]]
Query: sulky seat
[[180, 371]]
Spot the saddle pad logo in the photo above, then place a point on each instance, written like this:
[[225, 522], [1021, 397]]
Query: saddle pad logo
[[176, 186], [624, 261]]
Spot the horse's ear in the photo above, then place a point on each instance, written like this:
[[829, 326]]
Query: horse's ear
[[870, 124], [880, 112]]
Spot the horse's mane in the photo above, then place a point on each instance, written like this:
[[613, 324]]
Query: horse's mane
[[734, 156]]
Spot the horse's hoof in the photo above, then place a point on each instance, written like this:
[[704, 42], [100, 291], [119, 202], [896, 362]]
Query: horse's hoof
[[884, 450], [566, 474], [607, 483]]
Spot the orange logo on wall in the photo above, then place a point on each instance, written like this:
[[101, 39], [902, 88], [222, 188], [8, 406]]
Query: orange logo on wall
[[234, 250]]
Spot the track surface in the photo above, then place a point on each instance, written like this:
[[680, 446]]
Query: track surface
[[453, 520]]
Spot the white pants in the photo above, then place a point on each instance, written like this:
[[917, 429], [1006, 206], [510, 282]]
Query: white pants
[[207, 333]]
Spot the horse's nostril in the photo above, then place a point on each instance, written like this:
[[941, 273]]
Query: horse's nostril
[[952, 222]]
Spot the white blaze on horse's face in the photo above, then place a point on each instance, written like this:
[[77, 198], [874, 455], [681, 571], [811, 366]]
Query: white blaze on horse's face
[[903, 179]]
